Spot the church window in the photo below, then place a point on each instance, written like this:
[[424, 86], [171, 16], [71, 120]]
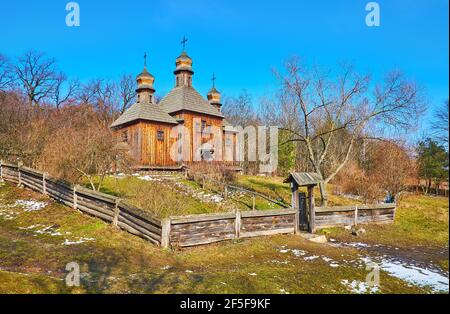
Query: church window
[[204, 126], [125, 136], [160, 135]]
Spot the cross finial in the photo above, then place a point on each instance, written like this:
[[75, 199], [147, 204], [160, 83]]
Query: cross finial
[[214, 79], [183, 42], [145, 59]]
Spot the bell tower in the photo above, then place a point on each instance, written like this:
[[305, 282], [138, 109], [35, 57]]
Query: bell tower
[[145, 91], [214, 95], [183, 68]]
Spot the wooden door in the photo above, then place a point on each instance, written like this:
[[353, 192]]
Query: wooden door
[[303, 214]]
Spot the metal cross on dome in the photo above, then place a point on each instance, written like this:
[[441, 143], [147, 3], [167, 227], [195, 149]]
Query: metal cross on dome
[[145, 58], [213, 80], [183, 42]]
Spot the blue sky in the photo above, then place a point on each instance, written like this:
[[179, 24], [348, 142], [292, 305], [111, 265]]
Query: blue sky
[[241, 41]]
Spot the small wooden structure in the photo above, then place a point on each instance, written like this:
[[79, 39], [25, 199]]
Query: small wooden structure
[[302, 202]]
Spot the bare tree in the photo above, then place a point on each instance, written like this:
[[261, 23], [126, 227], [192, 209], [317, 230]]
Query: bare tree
[[239, 111], [126, 89], [64, 90], [334, 114], [440, 123], [101, 95], [6, 77], [87, 92], [37, 75]]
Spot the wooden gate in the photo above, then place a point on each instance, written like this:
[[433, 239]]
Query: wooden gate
[[303, 213]]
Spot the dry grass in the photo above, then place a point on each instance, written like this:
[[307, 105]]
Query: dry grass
[[117, 262]]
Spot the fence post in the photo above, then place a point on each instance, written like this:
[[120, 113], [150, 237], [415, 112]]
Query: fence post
[[75, 197], [237, 225], [254, 202], [19, 164], [225, 192], [44, 183], [165, 233], [116, 212], [1, 170], [356, 215], [312, 213]]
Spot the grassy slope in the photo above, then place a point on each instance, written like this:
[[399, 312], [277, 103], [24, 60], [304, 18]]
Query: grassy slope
[[419, 220], [119, 262], [162, 199]]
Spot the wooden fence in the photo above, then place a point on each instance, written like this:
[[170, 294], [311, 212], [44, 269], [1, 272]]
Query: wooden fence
[[352, 215], [203, 179], [104, 206], [184, 231], [209, 228]]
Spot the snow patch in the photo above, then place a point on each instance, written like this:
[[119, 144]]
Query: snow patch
[[410, 273], [79, 241], [356, 286], [30, 205]]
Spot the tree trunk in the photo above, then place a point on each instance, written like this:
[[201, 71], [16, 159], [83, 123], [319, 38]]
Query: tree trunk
[[323, 194]]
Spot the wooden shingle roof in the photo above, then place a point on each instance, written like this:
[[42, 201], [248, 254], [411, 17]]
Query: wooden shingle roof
[[304, 178], [187, 98], [144, 111]]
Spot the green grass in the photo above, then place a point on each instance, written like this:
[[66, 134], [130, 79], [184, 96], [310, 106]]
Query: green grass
[[117, 262], [419, 220], [162, 198], [276, 189], [421, 224]]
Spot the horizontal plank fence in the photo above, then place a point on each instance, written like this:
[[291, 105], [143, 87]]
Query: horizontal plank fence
[[191, 230], [225, 188], [208, 228], [353, 215], [106, 207]]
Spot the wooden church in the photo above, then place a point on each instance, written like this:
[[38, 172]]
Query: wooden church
[[182, 128]]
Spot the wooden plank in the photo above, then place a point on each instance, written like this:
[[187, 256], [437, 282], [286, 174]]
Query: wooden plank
[[139, 213], [31, 171], [165, 233], [141, 222], [335, 209], [31, 184], [154, 236], [237, 225], [136, 232], [267, 232], [199, 218], [97, 195], [58, 182], [58, 195], [267, 213], [95, 213]]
